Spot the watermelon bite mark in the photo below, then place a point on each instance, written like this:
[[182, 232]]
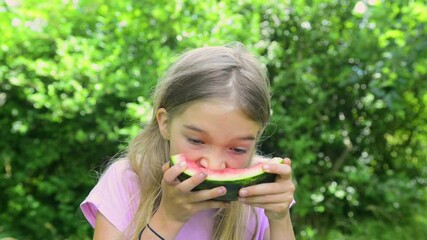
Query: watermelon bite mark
[[231, 178]]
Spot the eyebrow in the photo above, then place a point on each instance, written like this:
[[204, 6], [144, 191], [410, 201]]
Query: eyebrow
[[196, 129]]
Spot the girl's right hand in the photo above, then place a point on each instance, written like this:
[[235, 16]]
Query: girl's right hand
[[178, 202]]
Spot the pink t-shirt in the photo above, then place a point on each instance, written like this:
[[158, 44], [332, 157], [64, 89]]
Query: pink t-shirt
[[117, 197]]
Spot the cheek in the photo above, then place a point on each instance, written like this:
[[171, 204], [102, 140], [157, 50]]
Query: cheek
[[180, 145], [238, 162], [241, 161]]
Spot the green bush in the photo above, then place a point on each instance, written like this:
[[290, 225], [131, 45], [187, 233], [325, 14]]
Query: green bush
[[350, 108], [349, 101]]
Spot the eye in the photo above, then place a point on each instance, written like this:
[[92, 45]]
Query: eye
[[238, 150], [195, 141]]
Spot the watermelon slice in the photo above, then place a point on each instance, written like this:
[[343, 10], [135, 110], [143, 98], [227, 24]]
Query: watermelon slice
[[231, 178]]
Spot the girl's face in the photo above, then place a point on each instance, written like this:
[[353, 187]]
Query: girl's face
[[212, 133]]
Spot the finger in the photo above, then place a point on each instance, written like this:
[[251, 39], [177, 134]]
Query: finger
[[165, 167], [267, 189], [288, 161], [192, 182], [173, 172], [204, 195], [268, 199], [211, 205], [273, 207], [283, 170]]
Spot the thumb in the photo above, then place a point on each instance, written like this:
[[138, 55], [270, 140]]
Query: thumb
[[287, 161]]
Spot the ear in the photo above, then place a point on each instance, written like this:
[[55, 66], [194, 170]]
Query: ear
[[162, 121]]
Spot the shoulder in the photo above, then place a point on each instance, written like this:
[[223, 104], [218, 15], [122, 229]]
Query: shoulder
[[119, 178], [116, 195], [121, 172]]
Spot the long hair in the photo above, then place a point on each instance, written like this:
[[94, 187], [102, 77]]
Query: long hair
[[227, 73]]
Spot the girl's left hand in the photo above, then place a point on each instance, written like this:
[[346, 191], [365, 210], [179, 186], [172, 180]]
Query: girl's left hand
[[274, 197]]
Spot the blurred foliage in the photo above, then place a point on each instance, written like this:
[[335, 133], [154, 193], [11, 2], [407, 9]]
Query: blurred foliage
[[349, 103]]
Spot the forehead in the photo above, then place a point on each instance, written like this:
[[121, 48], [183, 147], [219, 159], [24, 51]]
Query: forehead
[[213, 107], [218, 116]]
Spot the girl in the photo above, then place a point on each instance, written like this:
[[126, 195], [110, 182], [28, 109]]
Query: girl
[[212, 107]]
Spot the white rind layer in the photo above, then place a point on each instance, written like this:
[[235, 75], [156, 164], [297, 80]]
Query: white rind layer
[[228, 174]]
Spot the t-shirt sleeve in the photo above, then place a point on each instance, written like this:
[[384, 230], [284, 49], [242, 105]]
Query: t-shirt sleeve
[[116, 196]]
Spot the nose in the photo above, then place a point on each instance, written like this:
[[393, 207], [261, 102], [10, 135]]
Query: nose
[[214, 160]]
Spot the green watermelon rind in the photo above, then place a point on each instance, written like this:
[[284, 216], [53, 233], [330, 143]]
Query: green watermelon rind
[[232, 185]]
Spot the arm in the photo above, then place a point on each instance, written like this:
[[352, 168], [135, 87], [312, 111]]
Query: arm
[[280, 229], [105, 230], [179, 203], [275, 198], [108, 206]]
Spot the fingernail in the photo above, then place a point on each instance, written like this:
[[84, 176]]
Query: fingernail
[[243, 193], [202, 175], [266, 167], [221, 190]]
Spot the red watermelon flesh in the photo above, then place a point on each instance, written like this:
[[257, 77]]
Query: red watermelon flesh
[[233, 179]]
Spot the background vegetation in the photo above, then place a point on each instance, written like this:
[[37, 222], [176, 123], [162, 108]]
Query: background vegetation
[[349, 83]]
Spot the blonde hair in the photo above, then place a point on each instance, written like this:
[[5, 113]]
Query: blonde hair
[[221, 72]]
